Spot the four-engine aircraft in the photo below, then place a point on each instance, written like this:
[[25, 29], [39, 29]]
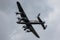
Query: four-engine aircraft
[[27, 22]]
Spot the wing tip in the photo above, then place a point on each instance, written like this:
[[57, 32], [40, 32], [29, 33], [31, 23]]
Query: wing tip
[[38, 36], [17, 2]]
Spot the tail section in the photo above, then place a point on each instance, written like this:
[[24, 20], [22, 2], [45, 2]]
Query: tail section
[[42, 23]]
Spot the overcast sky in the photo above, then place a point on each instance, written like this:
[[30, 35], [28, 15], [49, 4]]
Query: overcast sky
[[50, 13]]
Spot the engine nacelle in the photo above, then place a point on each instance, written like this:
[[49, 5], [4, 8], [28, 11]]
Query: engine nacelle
[[22, 18], [28, 31], [17, 13], [25, 27], [18, 22], [18, 18]]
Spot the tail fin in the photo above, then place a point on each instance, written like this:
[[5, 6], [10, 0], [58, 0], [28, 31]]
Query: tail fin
[[39, 18], [38, 15], [45, 27]]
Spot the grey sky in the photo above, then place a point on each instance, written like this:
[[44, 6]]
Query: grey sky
[[50, 12]]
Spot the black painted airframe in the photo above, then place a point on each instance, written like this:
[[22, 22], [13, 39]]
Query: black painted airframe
[[27, 22]]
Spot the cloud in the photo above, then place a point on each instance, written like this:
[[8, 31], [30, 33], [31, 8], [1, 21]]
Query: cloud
[[7, 25], [3, 26], [53, 21]]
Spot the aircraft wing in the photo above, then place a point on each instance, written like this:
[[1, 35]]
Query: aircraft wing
[[25, 19], [32, 29]]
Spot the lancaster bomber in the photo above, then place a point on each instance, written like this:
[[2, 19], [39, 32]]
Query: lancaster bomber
[[24, 20]]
